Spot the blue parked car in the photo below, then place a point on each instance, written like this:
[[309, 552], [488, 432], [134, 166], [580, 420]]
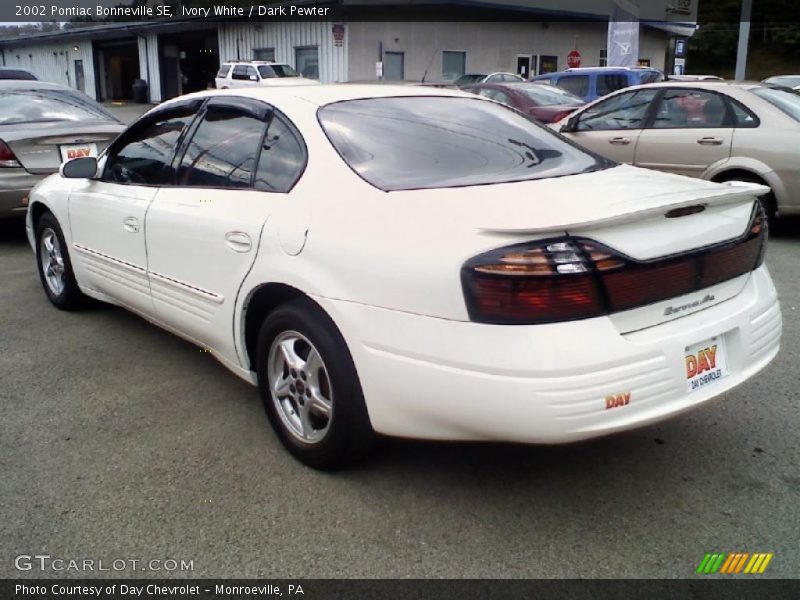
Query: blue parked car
[[591, 83]]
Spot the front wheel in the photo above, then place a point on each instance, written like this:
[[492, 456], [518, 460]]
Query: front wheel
[[310, 387], [55, 268]]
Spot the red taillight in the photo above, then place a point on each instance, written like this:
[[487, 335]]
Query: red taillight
[[7, 158], [568, 279]]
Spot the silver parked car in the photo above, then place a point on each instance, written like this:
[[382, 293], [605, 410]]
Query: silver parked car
[[715, 130], [41, 126], [792, 81], [17, 73]]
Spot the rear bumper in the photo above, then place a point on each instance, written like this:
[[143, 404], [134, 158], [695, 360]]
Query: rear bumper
[[437, 379], [15, 184]]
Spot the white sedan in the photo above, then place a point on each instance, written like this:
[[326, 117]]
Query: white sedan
[[420, 263]]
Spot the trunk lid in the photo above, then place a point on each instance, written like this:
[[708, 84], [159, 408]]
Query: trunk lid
[[37, 146]]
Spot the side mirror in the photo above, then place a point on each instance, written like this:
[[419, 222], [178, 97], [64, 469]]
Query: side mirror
[[570, 126], [79, 168], [253, 78]]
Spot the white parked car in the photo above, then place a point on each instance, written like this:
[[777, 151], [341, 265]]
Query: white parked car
[[415, 262], [791, 81], [715, 130], [255, 73]]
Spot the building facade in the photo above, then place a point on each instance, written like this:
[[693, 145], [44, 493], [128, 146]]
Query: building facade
[[178, 57]]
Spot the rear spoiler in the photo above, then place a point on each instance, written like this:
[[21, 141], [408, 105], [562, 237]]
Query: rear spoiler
[[729, 192]]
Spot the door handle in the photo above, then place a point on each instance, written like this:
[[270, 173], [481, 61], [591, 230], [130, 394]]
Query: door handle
[[130, 224], [238, 241], [710, 141], [620, 141]]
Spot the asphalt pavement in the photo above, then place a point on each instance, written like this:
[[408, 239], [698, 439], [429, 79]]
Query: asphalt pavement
[[119, 441]]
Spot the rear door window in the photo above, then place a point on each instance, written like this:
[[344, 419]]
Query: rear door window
[[680, 109], [224, 147]]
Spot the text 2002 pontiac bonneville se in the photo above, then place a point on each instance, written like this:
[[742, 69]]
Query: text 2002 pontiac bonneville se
[[420, 263]]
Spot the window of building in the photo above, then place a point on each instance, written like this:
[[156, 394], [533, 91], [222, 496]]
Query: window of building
[[264, 54], [548, 64], [222, 152], [283, 158], [454, 65], [306, 61]]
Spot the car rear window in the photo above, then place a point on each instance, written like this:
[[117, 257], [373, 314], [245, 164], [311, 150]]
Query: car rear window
[[40, 105], [651, 77], [223, 71], [404, 143], [546, 95], [786, 100]]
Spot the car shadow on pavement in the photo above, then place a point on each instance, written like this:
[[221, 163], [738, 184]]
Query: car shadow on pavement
[[12, 232], [786, 228]]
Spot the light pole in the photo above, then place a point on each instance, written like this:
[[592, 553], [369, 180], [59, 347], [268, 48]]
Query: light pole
[[744, 37]]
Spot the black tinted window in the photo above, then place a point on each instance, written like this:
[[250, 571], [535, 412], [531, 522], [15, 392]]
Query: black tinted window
[[611, 82], [223, 150], [575, 84], [434, 142], [144, 154], [243, 72], [282, 159], [223, 71]]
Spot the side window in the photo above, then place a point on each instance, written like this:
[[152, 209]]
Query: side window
[[627, 110], [282, 160], [223, 71], [144, 155], [223, 149], [241, 72], [742, 115], [575, 84], [689, 109], [502, 97], [611, 82]]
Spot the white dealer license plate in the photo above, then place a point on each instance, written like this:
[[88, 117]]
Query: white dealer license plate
[[71, 151], [706, 363]]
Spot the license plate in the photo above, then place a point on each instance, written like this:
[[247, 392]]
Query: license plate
[[71, 151], [706, 363]]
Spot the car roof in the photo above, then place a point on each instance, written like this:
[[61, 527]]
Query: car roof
[[328, 93], [10, 68], [252, 62], [704, 84]]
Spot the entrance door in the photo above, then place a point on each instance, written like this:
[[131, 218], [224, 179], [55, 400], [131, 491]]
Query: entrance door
[[80, 79], [524, 67], [394, 66]]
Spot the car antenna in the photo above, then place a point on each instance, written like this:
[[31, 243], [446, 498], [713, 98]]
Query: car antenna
[[430, 62]]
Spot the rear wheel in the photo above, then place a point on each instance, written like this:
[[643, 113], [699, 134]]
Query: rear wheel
[[55, 268], [310, 387]]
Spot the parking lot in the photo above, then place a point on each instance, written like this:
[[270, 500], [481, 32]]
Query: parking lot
[[120, 441]]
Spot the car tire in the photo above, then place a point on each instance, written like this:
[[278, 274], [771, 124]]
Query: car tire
[[55, 267], [310, 388]]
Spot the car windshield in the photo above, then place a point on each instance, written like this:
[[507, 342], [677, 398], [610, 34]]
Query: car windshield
[[417, 142], [37, 105], [787, 81], [16, 74], [268, 71], [786, 100], [545, 95], [468, 79]]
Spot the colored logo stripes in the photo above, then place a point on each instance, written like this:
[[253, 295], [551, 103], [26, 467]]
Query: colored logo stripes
[[734, 562]]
